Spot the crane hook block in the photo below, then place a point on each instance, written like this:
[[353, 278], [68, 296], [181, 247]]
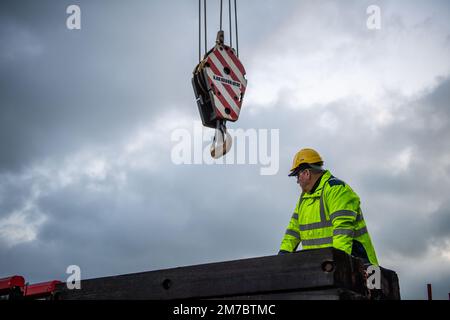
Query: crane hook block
[[219, 84]]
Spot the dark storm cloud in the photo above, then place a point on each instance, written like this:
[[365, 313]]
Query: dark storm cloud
[[440, 225], [64, 89], [426, 179], [13, 193]]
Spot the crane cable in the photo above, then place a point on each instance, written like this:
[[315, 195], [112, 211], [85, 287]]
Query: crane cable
[[205, 27], [236, 28]]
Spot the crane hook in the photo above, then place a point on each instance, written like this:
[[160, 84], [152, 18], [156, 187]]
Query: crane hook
[[222, 141]]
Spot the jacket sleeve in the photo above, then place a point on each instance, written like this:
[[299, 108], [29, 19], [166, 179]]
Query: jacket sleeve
[[291, 237], [343, 205]]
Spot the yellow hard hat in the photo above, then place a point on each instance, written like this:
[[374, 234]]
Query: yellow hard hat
[[305, 156]]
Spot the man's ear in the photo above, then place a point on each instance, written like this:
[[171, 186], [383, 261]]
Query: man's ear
[[309, 173]]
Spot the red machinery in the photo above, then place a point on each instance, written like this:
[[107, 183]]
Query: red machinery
[[43, 290], [14, 288]]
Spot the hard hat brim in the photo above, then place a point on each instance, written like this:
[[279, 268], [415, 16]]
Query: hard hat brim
[[294, 172], [304, 166]]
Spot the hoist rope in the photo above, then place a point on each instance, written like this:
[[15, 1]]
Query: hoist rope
[[221, 25], [229, 22], [206, 33], [236, 28], [199, 30], [220, 15]]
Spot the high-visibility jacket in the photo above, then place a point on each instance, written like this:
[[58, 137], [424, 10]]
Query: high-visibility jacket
[[330, 216]]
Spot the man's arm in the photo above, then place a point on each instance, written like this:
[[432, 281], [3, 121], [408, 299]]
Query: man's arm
[[291, 238], [343, 205]]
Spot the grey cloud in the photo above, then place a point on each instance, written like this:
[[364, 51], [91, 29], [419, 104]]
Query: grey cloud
[[13, 193], [93, 85], [96, 229], [440, 223]]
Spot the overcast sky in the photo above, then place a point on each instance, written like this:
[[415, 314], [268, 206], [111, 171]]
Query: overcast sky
[[87, 116]]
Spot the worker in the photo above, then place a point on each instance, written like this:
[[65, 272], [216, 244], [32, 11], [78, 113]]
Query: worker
[[328, 213]]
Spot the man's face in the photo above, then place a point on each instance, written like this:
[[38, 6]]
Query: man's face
[[303, 179]]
